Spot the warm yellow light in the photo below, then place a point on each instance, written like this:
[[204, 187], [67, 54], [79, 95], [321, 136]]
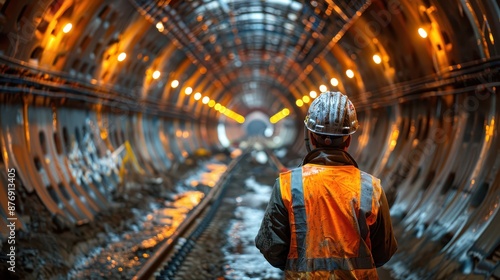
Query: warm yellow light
[[306, 99], [156, 74], [122, 56], [349, 73], [188, 90], [197, 96], [67, 28], [223, 109], [174, 84], [185, 134], [322, 88], [377, 59], [299, 103], [394, 138], [313, 94], [422, 32], [160, 26], [217, 106], [279, 116], [211, 103], [205, 100], [334, 82]]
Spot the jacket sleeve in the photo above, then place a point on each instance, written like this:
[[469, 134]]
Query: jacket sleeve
[[273, 238], [384, 244]]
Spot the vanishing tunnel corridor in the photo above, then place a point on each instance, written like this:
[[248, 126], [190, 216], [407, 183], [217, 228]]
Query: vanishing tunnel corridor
[[110, 109]]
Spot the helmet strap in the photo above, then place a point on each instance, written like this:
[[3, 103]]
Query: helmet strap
[[306, 139]]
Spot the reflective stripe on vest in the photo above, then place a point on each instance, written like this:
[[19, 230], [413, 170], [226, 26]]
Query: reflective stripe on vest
[[363, 260]]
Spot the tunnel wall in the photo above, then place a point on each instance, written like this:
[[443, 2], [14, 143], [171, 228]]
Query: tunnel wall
[[438, 161], [433, 140], [76, 161]]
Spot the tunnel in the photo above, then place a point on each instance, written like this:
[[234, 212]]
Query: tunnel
[[101, 97]]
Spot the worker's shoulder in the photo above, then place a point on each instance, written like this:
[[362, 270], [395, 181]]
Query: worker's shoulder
[[367, 175], [286, 171]]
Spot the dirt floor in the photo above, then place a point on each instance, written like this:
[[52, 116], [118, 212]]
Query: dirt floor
[[48, 248]]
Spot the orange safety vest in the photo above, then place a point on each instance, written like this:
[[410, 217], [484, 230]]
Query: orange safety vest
[[330, 209]]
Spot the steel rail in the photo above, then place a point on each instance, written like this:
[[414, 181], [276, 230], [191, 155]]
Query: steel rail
[[168, 247]]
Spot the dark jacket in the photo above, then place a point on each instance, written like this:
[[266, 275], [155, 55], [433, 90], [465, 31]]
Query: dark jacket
[[273, 238]]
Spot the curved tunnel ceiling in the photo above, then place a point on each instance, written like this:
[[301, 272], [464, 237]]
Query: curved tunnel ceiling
[[83, 81], [248, 55], [241, 42]]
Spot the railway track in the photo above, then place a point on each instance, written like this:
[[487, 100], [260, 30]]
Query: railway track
[[200, 246], [206, 232]]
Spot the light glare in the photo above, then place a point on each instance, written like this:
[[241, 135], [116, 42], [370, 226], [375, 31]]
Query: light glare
[[160, 26], [156, 74], [67, 28], [422, 32], [334, 82], [122, 56]]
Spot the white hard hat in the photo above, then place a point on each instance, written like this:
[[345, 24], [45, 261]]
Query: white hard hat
[[332, 113]]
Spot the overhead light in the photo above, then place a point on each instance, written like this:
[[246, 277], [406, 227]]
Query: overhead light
[[205, 100], [313, 94], [422, 32], [197, 96], [299, 103], [188, 90], [279, 116], [174, 83], [67, 28], [122, 56], [156, 74], [211, 103], [217, 106], [334, 82], [349, 73], [377, 59], [306, 99], [160, 26], [322, 88]]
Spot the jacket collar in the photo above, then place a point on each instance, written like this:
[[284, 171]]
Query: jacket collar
[[329, 156]]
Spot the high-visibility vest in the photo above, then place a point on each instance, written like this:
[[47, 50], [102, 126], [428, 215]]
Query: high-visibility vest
[[330, 210]]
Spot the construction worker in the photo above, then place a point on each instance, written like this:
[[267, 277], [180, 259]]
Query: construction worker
[[327, 219]]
